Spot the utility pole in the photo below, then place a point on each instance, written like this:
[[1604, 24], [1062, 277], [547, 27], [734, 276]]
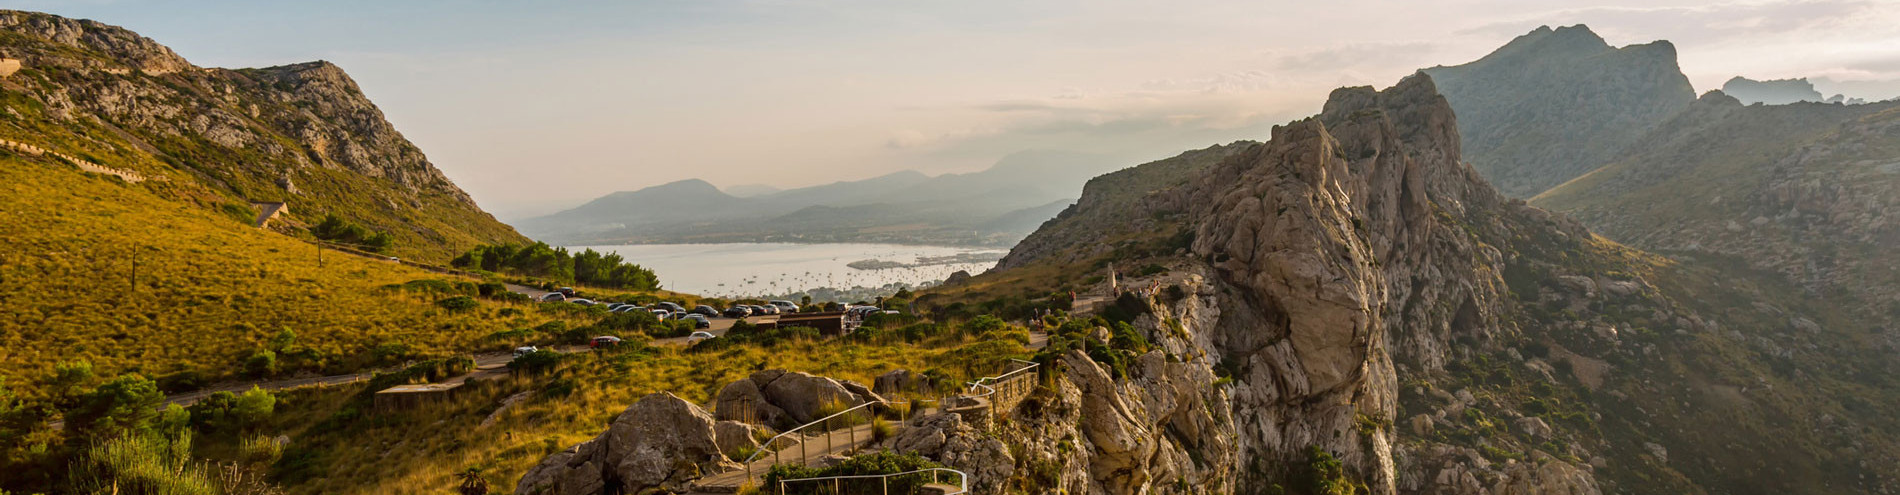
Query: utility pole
[[132, 282], [319, 254]]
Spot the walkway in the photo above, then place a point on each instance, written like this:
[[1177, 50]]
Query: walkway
[[809, 452]]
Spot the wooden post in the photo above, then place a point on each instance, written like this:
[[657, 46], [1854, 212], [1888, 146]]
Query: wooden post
[[804, 455], [887, 485]]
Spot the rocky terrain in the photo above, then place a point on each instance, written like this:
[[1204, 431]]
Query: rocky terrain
[[1356, 288], [1808, 191], [1554, 104], [302, 134]]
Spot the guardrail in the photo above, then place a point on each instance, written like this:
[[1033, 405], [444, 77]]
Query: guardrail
[[1010, 380], [963, 480], [769, 445]]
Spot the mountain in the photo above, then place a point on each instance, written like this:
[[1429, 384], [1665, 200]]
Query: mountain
[[750, 190], [1554, 104], [128, 240], [1779, 92], [221, 139], [1771, 92], [977, 208], [1808, 191], [1351, 305]]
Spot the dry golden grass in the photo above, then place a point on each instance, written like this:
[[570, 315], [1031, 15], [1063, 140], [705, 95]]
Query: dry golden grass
[[98, 270]]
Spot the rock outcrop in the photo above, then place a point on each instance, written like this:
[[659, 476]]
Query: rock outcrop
[[785, 399], [660, 442]]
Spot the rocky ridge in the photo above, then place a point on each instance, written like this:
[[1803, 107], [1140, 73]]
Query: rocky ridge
[[303, 133], [1359, 289], [1554, 104]]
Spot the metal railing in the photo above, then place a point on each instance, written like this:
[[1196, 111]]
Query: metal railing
[[803, 452], [984, 383], [989, 391], [963, 480]]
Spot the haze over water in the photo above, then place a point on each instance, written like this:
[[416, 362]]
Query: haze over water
[[754, 269]]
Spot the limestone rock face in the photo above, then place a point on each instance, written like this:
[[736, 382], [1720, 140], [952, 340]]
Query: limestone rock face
[[946, 438], [660, 442], [786, 399]]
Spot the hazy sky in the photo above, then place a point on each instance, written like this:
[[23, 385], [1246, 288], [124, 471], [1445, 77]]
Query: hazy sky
[[534, 106]]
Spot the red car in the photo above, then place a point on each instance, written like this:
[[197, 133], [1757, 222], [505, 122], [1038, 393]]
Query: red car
[[603, 341]]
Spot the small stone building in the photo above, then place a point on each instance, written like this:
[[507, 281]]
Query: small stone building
[[402, 397]]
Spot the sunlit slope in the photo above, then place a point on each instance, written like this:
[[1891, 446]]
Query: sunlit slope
[[92, 268]]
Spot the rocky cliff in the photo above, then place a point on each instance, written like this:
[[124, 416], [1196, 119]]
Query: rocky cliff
[[1554, 104], [300, 133], [1351, 290]]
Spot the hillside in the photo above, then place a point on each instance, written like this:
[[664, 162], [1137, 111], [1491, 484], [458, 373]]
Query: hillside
[[1554, 104], [1806, 190], [117, 275], [221, 139], [1350, 285], [977, 208]]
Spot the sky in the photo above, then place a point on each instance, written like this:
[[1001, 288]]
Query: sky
[[533, 107]]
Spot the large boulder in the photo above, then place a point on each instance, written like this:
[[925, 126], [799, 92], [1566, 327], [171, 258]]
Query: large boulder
[[735, 438], [660, 442], [903, 381], [743, 401]]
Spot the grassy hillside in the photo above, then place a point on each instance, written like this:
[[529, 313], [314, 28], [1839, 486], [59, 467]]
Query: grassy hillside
[[220, 139], [113, 273]]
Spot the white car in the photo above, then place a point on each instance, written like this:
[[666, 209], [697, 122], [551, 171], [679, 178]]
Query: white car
[[698, 336], [553, 297], [523, 351]]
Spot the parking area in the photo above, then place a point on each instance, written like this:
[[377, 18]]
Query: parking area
[[719, 328]]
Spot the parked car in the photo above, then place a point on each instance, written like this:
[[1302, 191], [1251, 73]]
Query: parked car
[[785, 306], [627, 308], [583, 302], [660, 313], [566, 291], [603, 341], [863, 310], [698, 336], [672, 307], [526, 350], [553, 297], [763, 310], [738, 312], [699, 320], [702, 309]]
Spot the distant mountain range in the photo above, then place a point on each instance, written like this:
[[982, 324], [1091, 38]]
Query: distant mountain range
[[993, 207], [1780, 92]]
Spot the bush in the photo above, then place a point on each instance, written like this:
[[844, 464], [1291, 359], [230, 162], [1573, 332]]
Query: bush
[[537, 362], [457, 303], [335, 229], [261, 364]]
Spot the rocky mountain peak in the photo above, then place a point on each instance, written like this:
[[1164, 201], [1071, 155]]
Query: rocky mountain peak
[[1554, 104], [122, 48]]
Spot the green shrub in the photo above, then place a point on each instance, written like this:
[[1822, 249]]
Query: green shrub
[[457, 303], [126, 405], [866, 464]]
